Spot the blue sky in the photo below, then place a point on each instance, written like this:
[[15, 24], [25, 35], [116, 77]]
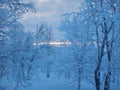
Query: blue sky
[[49, 11]]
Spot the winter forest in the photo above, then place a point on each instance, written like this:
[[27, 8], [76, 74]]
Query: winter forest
[[79, 50]]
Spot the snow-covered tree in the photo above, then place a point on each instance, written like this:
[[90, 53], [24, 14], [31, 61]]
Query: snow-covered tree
[[78, 37], [43, 48], [10, 12], [99, 15], [21, 55], [97, 19]]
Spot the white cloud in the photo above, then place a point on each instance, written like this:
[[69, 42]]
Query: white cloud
[[43, 0], [49, 11]]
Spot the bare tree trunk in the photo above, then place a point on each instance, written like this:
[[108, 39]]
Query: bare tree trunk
[[16, 87], [107, 81], [67, 74], [108, 76], [99, 59], [48, 74], [48, 71], [79, 78], [97, 78]]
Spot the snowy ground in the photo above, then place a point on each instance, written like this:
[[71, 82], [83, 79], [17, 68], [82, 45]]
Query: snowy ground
[[47, 84], [43, 83]]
